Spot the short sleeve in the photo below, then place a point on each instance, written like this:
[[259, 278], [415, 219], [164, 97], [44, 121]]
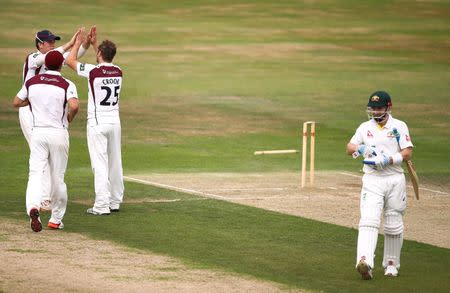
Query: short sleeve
[[36, 60], [83, 69], [72, 91], [405, 138], [23, 93], [357, 138]]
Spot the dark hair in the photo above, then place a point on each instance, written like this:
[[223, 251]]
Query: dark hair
[[108, 50], [37, 42]]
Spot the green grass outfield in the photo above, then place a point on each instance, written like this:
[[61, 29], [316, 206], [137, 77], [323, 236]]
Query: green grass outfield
[[206, 84]]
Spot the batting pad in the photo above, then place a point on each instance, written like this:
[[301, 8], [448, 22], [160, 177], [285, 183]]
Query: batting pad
[[392, 248]]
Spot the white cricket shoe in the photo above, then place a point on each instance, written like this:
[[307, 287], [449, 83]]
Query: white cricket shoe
[[55, 226], [92, 212], [391, 270], [364, 269]]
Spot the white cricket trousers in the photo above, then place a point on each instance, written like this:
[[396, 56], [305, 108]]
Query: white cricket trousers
[[104, 143], [26, 124], [48, 147], [381, 195]]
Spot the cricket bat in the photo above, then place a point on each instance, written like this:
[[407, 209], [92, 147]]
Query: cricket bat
[[411, 169], [414, 178]]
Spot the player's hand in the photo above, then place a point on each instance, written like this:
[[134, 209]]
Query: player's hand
[[93, 35], [365, 151], [80, 36], [70, 43], [74, 37], [378, 162]]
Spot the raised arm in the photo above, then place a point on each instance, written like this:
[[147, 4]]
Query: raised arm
[[71, 60], [70, 43], [93, 38], [83, 48]]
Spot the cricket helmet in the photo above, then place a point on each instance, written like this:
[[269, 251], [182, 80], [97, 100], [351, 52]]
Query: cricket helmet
[[379, 99]]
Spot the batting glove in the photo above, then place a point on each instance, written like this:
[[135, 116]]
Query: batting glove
[[379, 162], [365, 151]]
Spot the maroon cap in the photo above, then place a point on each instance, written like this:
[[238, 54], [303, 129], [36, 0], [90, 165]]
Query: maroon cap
[[54, 60]]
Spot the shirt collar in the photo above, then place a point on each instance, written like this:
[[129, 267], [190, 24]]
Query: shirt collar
[[388, 124], [105, 64], [53, 72]]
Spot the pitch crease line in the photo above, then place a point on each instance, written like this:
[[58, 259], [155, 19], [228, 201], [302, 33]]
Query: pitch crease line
[[185, 190], [204, 194], [239, 189]]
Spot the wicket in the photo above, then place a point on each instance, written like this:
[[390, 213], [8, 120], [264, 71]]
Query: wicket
[[312, 133], [276, 152]]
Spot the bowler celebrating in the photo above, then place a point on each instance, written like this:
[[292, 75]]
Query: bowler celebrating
[[103, 123], [53, 102], [34, 64]]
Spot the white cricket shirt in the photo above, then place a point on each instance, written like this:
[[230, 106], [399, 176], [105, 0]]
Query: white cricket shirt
[[104, 85], [384, 141], [34, 64], [48, 94]]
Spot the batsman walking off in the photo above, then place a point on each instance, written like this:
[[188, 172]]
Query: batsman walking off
[[103, 122], [384, 143]]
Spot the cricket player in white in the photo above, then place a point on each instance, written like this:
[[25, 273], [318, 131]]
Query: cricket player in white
[[33, 65], [385, 143], [53, 102], [103, 123]]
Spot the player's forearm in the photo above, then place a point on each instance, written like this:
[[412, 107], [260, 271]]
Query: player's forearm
[[17, 103], [86, 43], [70, 43], [72, 113], [66, 46], [94, 46], [402, 156], [406, 154], [73, 109], [351, 148], [82, 50], [80, 53], [71, 60]]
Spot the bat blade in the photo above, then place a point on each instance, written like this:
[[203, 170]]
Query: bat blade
[[414, 178]]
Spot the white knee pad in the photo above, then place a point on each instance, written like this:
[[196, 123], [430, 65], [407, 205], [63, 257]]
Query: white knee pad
[[393, 223], [369, 222]]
